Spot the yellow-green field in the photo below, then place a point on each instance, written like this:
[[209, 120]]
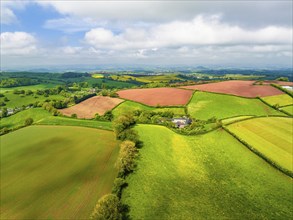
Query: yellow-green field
[[234, 119], [288, 109], [272, 136], [97, 75], [55, 172], [280, 100]]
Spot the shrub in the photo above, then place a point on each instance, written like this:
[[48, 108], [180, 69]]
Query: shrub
[[128, 134], [28, 121], [107, 208], [119, 184], [126, 159], [74, 115]]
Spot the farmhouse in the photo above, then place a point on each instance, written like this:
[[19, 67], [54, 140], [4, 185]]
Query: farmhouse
[[181, 122]]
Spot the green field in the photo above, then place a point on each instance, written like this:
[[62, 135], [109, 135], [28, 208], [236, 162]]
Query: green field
[[288, 109], [41, 116], [32, 87], [97, 75], [200, 177], [16, 100], [147, 79], [129, 106], [204, 105], [234, 119], [271, 136], [55, 172], [280, 100]]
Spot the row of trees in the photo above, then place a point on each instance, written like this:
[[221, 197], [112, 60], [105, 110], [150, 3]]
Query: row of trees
[[110, 207]]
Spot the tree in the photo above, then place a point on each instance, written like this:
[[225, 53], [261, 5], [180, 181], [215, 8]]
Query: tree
[[28, 121], [126, 159], [107, 208], [122, 122], [108, 116], [4, 112], [128, 134], [119, 184]]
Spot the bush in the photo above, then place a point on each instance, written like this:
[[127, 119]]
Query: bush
[[128, 134], [107, 208], [122, 122], [28, 121], [119, 184], [74, 115]]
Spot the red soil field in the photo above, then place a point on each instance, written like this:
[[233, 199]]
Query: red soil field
[[91, 106], [157, 96], [237, 87]]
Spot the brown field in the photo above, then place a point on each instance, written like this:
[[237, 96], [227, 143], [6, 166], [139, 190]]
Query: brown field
[[237, 87], [91, 106], [157, 96]]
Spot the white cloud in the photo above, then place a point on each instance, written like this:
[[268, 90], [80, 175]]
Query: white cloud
[[7, 16], [18, 43], [199, 31]]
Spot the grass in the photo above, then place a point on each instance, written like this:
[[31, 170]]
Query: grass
[[204, 105], [97, 75], [32, 87], [41, 116], [16, 100], [129, 106], [146, 79], [280, 100], [234, 119], [288, 109], [200, 177], [50, 172], [271, 136]]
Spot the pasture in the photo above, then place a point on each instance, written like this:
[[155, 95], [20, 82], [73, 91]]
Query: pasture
[[288, 109], [129, 106], [157, 96], [50, 172], [280, 100], [200, 177], [19, 100], [271, 136], [31, 87], [91, 106], [204, 105], [41, 116], [237, 87]]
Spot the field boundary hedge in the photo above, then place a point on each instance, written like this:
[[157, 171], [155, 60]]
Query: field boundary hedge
[[282, 89], [261, 155]]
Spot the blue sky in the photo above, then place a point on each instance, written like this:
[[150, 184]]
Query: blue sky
[[236, 34]]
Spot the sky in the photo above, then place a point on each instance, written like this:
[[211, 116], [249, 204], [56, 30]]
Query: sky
[[39, 33]]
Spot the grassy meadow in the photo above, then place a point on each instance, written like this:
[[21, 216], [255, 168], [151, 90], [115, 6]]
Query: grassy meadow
[[41, 116], [200, 177], [31, 87], [280, 100], [272, 136], [204, 105], [129, 106], [18, 100], [55, 172]]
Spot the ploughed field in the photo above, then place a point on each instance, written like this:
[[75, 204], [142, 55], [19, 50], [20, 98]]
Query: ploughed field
[[271, 136], [205, 105], [157, 96], [91, 106], [210, 176], [237, 87], [55, 172]]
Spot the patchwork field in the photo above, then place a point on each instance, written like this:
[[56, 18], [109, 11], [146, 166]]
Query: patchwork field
[[157, 96], [204, 105], [55, 172], [280, 100], [129, 106], [288, 109], [237, 87], [91, 106], [234, 119], [271, 136], [200, 177]]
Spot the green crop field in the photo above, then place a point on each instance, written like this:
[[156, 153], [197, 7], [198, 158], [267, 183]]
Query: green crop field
[[288, 109], [129, 106], [280, 100], [97, 75], [16, 100], [55, 172], [234, 119], [271, 136], [147, 79], [200, 177], [41, 116], [204, 105]]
